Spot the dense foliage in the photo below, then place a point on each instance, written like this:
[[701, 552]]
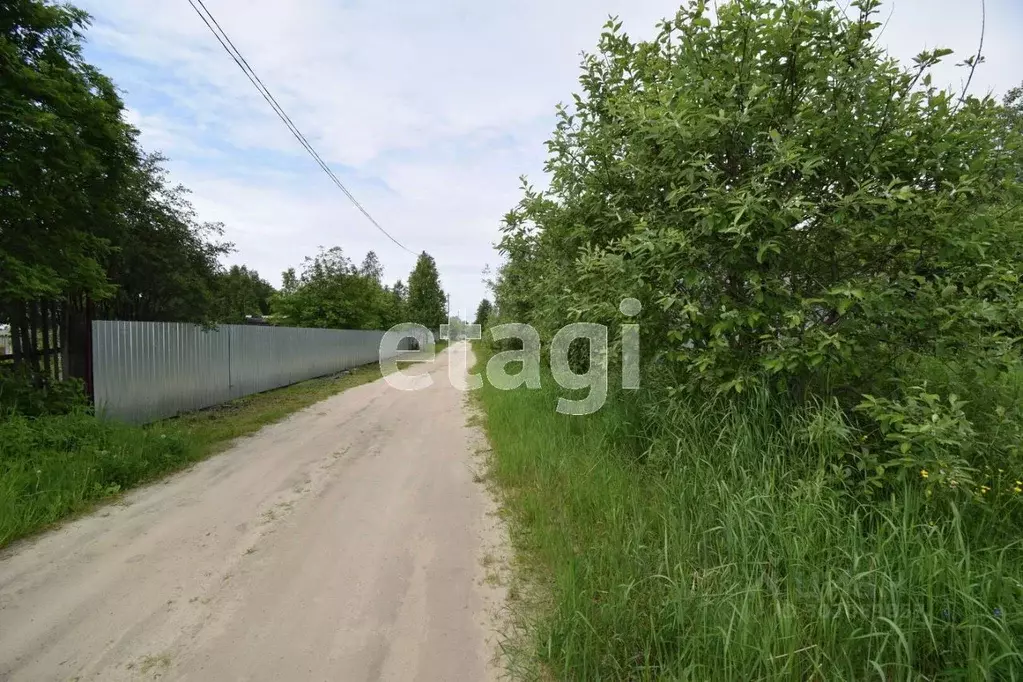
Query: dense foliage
[[331, 291], [166, 266], [66, 156], [240, 293], [21, 394], [796, 210], [822, 473]]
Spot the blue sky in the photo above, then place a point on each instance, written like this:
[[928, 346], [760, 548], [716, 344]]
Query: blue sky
[[428, 112]]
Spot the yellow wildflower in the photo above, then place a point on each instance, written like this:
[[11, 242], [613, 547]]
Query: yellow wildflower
[[923, 473]]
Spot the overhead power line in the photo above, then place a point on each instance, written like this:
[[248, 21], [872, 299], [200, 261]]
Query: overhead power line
[[218, 32]]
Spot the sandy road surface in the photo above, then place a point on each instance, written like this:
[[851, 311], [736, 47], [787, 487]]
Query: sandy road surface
[[344, 543]]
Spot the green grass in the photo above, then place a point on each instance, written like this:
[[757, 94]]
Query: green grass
[[53, 467], [717, 544]]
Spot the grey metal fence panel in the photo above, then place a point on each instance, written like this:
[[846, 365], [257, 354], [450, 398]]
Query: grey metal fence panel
[[147, 370], [144, 371]]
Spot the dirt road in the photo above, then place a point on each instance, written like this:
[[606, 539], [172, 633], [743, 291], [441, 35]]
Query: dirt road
[[345, 543]]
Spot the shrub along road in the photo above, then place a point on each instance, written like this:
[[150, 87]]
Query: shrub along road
[[342, 543]]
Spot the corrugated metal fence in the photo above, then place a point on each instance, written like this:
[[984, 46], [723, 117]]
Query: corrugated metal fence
[[144, 371]]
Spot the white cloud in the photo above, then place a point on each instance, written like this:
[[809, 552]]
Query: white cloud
[[446, 103]]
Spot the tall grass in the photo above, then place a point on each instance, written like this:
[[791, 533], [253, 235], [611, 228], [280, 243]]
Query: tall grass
[[56, 465], [719, 545]]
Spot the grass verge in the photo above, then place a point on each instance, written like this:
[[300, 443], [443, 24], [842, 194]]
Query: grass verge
[[52, 467], [718, 546]]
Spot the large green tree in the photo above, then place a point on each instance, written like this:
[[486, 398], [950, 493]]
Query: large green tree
[[165, 264], [483, 312], [398, 308], [66, 157], [332, 292], [799, 213], [790, 203], [426, 300], [84, 212], [239, 293]]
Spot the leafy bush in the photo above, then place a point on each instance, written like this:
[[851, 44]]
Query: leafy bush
[[785, 198], [21, 392], [919, 433], [330, 291], [827, 480], [795, 209], [933, 433]]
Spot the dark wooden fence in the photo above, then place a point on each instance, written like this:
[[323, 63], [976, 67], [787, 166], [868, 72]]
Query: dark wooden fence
[[51, 339]]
